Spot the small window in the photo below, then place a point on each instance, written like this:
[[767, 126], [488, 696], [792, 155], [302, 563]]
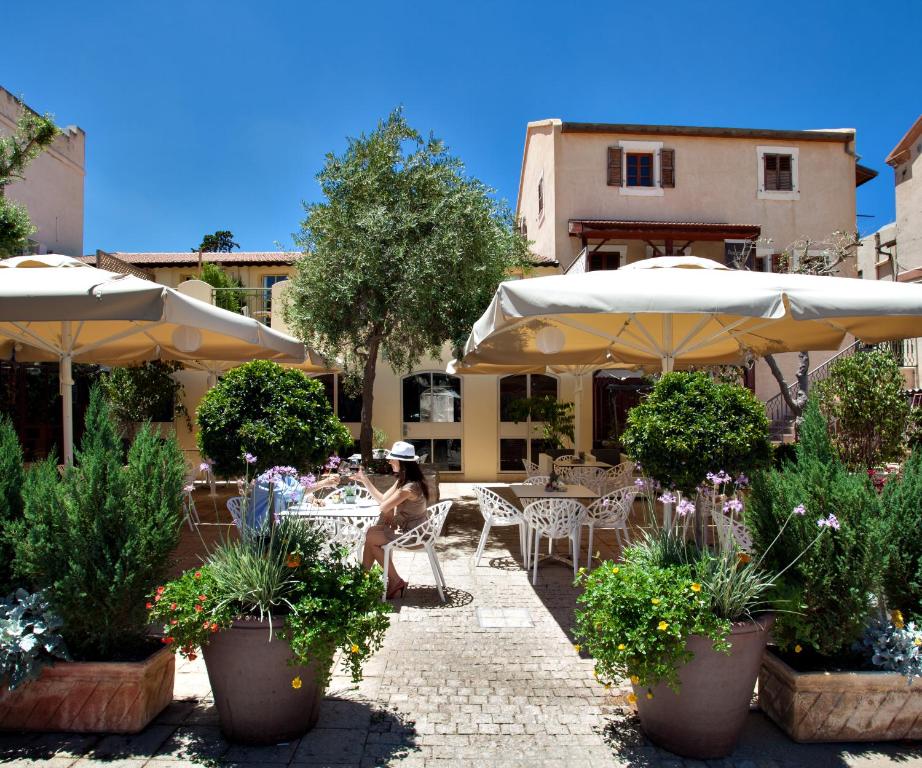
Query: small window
[[540, 196], [778, 172], [603, 260], [639, 169], [431, 397]]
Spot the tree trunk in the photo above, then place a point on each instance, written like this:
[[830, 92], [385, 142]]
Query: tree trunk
[[796, 404], [368, 396]]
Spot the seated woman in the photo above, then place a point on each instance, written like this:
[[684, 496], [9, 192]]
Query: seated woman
[[403, 507]]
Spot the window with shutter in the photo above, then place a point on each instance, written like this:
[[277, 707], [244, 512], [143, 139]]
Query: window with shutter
[[778, 172], [667, 167], [614, 166]]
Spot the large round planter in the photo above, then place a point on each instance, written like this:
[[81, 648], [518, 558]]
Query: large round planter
[[840, 706], [251, 680], [705, 718], [92, 697]]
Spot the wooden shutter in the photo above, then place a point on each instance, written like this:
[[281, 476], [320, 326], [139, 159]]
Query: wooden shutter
[[785, 177], [667, 167], [771, 171], [614, 166]]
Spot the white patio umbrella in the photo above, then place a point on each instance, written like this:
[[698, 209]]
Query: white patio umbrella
[[670, 311], [58, 308]]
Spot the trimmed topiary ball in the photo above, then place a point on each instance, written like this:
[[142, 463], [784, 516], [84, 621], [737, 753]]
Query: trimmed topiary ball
[[279, 415]]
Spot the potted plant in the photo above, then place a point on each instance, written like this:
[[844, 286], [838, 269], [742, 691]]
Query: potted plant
[[845, 648], [147, 392], [269, 611], [555, 417], [95, 539]]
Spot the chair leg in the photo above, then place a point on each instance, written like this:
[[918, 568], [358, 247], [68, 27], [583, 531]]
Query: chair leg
[[435, 573], [589, 553], [387, 562], [438, 565], [523, 545], [536, 556], [483, 540], [574, 548]]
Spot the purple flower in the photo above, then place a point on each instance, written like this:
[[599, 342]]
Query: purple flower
[[249, 458], [204, 466], [275, 474], [733, 506], [829, 522], [640, 482], [742, 481], [637, 466], [332, 462], [667, 498], [307, 481], [800, 509], [685, 508]]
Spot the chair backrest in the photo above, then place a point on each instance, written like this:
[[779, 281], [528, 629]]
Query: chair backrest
[[235, 507], [732, 533], [556, 518], [536, 480], [495, 507], [588, 476], [564, 458], [530, 468], [613, 507], [427, 532], [618, 476]]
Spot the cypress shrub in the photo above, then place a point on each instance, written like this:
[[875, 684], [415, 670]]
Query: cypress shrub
[[901, 504], [11, 479], [98, 537], [826, 593]]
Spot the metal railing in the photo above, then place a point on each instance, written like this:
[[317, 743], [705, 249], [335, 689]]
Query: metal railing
[[249, 302]]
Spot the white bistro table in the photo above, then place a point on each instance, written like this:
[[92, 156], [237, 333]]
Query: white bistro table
[[347, 523], [526, 493], [592, 463]]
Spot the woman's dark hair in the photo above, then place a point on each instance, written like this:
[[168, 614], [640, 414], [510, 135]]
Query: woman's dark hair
[[410, 472]]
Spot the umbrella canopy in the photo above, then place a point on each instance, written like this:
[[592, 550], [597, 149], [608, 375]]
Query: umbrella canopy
[[666, 311], [57, 307]]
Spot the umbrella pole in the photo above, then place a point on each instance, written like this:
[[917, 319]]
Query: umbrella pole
[[578, 412], [67, 392]]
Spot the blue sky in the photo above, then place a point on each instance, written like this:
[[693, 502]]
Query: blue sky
[[204, 115]]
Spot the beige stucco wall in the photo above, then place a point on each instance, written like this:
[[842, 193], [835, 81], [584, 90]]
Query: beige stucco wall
[[868, 263], [52, 190], [908, 183]]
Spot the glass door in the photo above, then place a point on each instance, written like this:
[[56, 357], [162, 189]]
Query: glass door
[[432, 418], [525, 439]]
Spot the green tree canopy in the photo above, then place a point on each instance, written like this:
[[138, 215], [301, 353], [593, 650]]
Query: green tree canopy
[[227, 297], [221, 241], [403, 255], [33, 133]]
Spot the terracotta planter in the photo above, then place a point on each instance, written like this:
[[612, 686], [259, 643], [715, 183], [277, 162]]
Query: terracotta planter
[[252, 685], [840, 706], [92, 697], [705, 718]]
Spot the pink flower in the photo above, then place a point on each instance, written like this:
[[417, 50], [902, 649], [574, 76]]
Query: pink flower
[[800, 509], [829, 522], [204, 466], [733, 506], [667, 498], [685, 508], [249, 458]]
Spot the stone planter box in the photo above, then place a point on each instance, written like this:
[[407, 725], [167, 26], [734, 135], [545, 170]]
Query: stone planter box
[[840, 706], [92, 697]]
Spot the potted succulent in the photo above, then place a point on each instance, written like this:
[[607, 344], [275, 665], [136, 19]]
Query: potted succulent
[[269, 611], [849, 641], [94, 539]]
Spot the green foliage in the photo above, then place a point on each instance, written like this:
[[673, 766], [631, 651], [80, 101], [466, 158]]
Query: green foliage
[[145, 392], [226, 297], [556, 417], [828, 588], [690, 425], [327, 603], [15, 228], [901, 509], [98, 538], [11, 480], [221, 241], [863, 400], [279, 415], [783, 454], [913, 436], [29, 637], [403, 255], [33, 134]]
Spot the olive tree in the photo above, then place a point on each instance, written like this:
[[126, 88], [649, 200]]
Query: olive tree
[[402, 256]]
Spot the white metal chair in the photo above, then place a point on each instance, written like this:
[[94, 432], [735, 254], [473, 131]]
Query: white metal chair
[[189, 512], [590, 477], [617, 477], [235, 507], [732, 532], [536, 480], [556, 519], [610, 513], [563, 459], [424, 536], [530, 468], [360, 492], [497, 511]]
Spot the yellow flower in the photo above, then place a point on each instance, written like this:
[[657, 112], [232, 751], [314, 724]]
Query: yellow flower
[[656, 601], [649, 694], [897, 618], [355, 648], [296, 683], [917, 641], [615, 569], [607, 686], [577, 648], [621, 646], [631, 698], [696, 587], [635, 680], [797, 648], [662, 626]]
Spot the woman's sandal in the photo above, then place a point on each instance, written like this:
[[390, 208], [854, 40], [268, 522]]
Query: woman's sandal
[[398, 587]]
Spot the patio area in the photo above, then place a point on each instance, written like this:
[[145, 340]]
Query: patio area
[[489, 678]]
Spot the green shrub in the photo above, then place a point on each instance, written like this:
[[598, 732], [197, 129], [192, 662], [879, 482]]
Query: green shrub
[[827, 591], [901, 505], [145, 392], [11, 479], [226, 297], [783, 454], [30, 638], [863, 400], [914, 429], [690, 425], [279, 415], [98, 538]]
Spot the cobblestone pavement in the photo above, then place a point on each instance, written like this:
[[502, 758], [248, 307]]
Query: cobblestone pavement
[[489, 679]]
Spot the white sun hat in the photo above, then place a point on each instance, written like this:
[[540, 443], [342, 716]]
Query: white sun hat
[[402, 451]]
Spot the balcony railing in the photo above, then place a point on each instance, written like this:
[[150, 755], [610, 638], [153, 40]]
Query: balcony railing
[[250, 302]]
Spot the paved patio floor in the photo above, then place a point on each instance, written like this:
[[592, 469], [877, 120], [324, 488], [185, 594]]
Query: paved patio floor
[[489, 679]]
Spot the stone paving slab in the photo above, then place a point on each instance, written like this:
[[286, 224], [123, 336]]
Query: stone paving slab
[[445, 691]]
